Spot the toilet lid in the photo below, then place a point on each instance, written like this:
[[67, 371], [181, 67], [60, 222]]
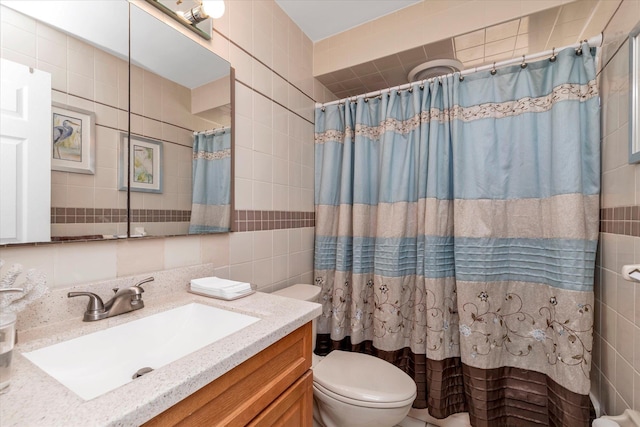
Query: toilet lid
[[363, 378]]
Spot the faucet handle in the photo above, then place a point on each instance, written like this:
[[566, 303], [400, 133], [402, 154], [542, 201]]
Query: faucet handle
[[142, 282], [95, 304]]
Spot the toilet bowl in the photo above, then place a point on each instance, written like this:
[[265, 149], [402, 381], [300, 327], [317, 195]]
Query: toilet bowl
[[628, 418], [354, 389]]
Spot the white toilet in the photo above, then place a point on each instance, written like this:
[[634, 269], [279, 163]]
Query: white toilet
[[629, 418], [354, 389]]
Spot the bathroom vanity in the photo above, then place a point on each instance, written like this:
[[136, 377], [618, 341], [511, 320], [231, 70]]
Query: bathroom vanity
[[258, 376], [272, 388]]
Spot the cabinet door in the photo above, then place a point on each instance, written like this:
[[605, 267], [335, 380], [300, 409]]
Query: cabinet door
[[294, 407], [240, 395]]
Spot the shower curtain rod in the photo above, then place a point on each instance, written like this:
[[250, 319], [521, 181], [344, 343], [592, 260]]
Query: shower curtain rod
[[595, 41], [210, 131]]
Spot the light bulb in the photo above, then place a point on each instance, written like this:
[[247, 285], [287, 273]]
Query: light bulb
[[213, 8]]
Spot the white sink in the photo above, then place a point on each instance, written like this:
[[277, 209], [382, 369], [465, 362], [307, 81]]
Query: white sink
[[102, 361]]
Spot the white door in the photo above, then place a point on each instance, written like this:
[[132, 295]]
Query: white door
[[25, 154]]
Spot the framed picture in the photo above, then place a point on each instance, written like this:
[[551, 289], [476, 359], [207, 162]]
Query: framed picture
[[72, 139], [145, 172], [634, 98]]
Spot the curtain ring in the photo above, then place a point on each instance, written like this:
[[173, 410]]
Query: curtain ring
[[366, 100], [323, 109], [579, 51], [461, 78], [421, 87], [398, 93], [410, 90], [493, 70], [553, 55], [524, 64]]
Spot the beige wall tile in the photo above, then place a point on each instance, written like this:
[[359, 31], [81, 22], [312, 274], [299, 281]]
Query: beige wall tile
[[624, 381], [610, 289], [262, 195], [182, 251], [624, 338], [16, 38], [242, 272], [609, 325], [140, 256], [85, 262], [240, 248], [263, 273], [215, 249], [625, 304], [280, 268], [262, 245], [243, 158]]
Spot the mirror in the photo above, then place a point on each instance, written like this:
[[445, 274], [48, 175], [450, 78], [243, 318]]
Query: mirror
[[634, 98], [180, 98], [82, 50]]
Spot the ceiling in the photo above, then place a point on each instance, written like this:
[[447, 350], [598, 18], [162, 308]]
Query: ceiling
[[320, 19], [555, 27]]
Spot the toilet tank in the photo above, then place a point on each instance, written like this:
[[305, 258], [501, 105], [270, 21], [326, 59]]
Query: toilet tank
[[304, 292]]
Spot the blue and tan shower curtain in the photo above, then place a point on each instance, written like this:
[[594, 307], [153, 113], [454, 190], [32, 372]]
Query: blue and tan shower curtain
[[211, 174], [456, 231]]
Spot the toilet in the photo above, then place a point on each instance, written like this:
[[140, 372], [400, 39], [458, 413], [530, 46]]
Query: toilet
[[354, 389], [628, 418]]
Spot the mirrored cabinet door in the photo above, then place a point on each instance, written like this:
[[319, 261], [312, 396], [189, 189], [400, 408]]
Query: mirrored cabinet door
[[66, 185], [181, 133]]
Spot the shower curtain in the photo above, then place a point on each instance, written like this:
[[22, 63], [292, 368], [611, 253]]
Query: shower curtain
[[456, 231], [211, 198]]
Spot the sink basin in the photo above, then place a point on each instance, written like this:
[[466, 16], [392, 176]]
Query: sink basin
[[96, 363]]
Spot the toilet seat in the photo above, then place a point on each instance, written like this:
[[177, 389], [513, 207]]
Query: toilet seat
[[363, 404], [363, 380]]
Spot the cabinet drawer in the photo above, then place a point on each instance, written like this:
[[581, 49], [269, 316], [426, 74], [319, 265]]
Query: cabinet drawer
[[241, 394]]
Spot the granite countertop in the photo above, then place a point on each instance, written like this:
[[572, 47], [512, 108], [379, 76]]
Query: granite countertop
[[36, 399]]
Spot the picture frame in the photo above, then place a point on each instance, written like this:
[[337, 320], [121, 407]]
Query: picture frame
[[634, 96], [145, 173], [73, 145]]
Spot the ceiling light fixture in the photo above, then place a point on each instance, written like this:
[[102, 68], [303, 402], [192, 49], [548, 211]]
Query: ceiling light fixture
[[435, 68], [207, 9]]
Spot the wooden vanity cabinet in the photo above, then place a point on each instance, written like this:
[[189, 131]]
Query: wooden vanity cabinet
[[273, 388]]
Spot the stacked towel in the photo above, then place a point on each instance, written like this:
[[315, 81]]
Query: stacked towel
[[220, 288]]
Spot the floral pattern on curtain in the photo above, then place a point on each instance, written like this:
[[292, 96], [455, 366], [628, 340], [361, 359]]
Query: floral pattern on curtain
[[456, 230], [211, 198]]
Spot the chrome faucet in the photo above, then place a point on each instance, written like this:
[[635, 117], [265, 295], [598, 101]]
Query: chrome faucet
[[124, 301]]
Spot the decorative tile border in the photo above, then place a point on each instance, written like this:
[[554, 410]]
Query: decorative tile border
[[246, 220], [623, 220], [272, 220], [160, 215], [106, 215]]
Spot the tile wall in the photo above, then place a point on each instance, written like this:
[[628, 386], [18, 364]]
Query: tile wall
[[616, 356], [275, 93]]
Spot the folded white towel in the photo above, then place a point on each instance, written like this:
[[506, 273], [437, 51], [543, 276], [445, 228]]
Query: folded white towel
[[221, 288], [216, 283]]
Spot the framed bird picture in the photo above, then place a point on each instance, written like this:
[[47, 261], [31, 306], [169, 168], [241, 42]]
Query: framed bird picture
[[72, 139]]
